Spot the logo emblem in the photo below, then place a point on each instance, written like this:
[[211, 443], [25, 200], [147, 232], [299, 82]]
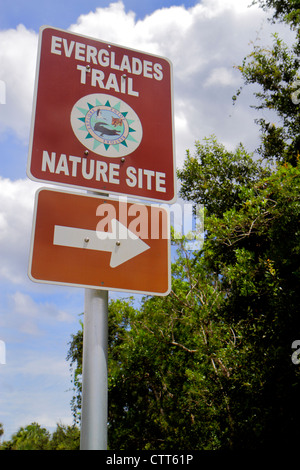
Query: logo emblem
[[106, 125]]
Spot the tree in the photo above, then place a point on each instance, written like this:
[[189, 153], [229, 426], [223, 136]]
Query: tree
[[254, 246], [276, 71], [32, 437], [65, 438], [209, 366], [166, 367], [75, 357], [217, 178], [217, 349], [35, 437]]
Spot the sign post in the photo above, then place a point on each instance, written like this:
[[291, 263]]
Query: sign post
[[94, 408], [102, 121], [94, 400]]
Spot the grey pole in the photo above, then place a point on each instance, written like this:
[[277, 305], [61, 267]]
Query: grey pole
[[94, 373]]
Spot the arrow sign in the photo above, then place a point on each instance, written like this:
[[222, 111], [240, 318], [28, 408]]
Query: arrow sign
[[121, 242], [101, 244]]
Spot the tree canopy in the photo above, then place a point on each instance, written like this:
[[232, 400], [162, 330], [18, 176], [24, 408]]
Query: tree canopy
[[36, 437], [209, 366]]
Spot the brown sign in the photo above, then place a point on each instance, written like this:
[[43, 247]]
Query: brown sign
[[89, 241], [102, 118]]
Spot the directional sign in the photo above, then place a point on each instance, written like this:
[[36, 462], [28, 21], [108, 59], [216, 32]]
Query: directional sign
[[102, 118], [89, 241]]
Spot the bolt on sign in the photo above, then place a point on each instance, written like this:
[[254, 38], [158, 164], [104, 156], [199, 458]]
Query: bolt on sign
[[102, 118], [105, 243]]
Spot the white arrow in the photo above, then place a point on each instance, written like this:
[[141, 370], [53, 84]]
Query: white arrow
[[121, 242]]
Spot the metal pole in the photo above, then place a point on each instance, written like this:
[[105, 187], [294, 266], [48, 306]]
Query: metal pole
[[94, 373]]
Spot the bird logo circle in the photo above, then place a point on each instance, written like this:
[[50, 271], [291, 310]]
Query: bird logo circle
[[106, 125]]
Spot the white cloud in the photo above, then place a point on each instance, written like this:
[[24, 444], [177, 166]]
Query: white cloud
[[17, 200], [26, 306], [222, 76], [18, 49], [42, 366], [32, 317], [108, 24]]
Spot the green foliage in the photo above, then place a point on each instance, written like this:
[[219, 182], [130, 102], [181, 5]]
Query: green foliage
[[255, 249], [75, 357], [35, 437], [283, 10], [32, 437], [216, 177], [209, 366], [65, 438], [276, 72], [159, 380]]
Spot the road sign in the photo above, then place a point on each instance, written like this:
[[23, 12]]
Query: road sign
[[102, 118], [95, 242]]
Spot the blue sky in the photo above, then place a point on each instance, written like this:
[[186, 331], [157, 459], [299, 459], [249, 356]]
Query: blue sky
[[61, 14], [204, 40]]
